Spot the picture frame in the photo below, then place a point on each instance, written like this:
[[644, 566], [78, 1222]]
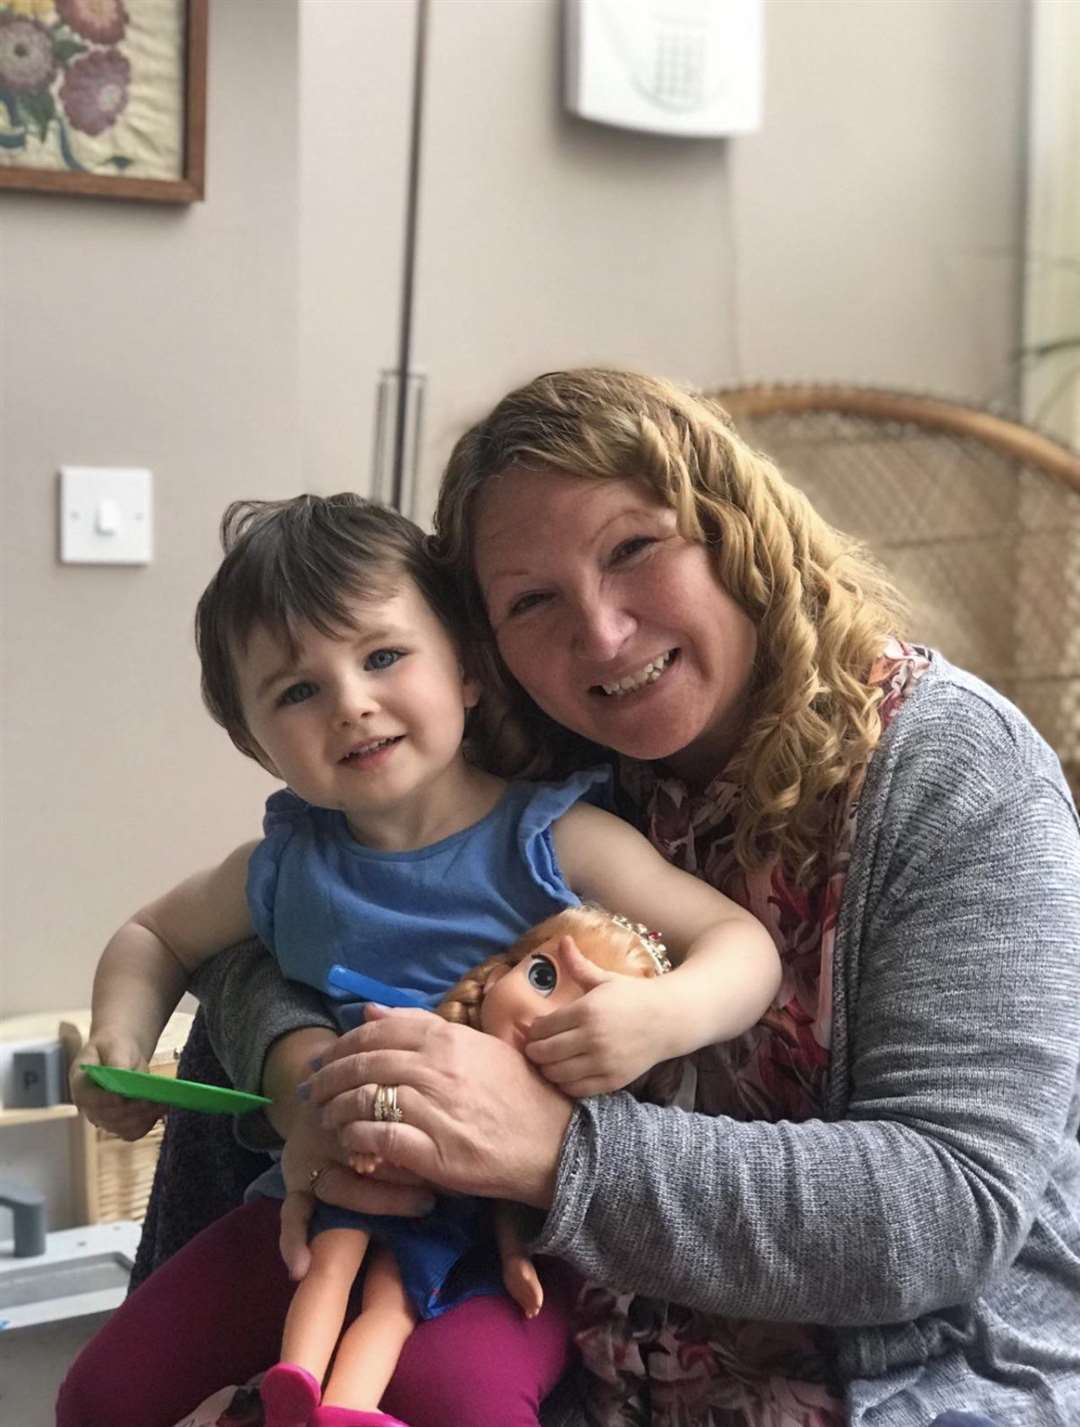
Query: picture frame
[[104, 98]]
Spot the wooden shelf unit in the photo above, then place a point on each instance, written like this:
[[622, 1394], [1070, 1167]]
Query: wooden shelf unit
[[111, 1177]]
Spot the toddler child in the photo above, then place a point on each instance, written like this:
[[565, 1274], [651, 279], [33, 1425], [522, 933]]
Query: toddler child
[[330, 654]]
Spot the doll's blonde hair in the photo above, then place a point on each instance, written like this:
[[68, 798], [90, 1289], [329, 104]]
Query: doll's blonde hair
[[609, 942], [821, 605]]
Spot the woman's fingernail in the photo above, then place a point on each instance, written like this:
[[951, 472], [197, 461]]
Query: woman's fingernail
[[315, 1063], [303, 1091]]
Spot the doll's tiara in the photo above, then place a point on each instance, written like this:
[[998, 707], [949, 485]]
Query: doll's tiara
[[650, 941]]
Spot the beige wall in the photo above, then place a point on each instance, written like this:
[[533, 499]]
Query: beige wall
[[869, 232], [356, 68], [1052, 296], [137, 335], [878, 214]]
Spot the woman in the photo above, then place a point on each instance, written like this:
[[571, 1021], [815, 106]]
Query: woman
[[873, 1217]]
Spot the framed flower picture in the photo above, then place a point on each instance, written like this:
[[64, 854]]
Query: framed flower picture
[[104, 97]]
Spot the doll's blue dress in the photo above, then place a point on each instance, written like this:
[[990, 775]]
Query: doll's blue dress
[[417, 921]]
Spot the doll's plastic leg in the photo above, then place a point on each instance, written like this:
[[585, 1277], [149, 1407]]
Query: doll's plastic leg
[[370, 1347], [290, 1390], [317, 1311]]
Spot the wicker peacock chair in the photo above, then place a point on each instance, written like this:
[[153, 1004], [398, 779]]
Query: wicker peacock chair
[[976, 517]]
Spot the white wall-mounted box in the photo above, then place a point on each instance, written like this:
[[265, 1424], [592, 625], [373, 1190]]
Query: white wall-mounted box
[[689, 68]]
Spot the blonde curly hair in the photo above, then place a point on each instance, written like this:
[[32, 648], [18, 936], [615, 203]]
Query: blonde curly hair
[[822, 607], [607, 942]]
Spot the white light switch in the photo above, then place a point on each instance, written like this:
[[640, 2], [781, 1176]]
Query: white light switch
[[106, 515]]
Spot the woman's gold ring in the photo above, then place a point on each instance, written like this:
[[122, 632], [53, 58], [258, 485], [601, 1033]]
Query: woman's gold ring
[[385, 1105]]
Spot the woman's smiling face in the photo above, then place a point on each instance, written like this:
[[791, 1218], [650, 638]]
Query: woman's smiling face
[[611, 621]]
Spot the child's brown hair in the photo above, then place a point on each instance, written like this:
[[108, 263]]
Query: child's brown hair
[[302, 561]]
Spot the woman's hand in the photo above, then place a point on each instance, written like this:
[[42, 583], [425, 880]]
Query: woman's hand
[[476, 1117]]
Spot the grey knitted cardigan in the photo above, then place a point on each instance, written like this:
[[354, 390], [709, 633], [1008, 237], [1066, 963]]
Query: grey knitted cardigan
[[930, 1221]]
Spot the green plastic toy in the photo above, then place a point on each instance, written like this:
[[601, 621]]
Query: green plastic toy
[[164, 1090]]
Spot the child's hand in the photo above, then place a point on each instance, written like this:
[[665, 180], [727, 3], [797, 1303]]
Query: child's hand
[[521, 1281], [129, 1119], [605, 1039]]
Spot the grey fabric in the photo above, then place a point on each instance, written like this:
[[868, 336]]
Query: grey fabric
[[931, 1222], [247, 1006]]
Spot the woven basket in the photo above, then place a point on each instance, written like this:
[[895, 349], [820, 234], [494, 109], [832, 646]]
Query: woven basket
[[123, 1175], [976, 517]]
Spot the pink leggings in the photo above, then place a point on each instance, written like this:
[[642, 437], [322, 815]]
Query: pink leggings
[[213, 1314]]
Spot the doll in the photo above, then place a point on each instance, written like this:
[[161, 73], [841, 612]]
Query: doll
[[502, 997], [506, 993]]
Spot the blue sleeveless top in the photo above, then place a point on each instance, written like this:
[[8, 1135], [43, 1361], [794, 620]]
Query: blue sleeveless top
[[416, 920]]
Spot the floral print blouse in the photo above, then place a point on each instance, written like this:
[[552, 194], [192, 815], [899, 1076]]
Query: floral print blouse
[[660, 1364]]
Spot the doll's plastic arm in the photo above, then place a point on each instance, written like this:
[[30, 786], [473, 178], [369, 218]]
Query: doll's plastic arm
[[520, 1278]]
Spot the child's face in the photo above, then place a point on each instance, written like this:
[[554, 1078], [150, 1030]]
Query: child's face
[[368, 721], [540, 983]]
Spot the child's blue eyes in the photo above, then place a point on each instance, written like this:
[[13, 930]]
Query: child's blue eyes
[[297, 693], [377, 661]]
